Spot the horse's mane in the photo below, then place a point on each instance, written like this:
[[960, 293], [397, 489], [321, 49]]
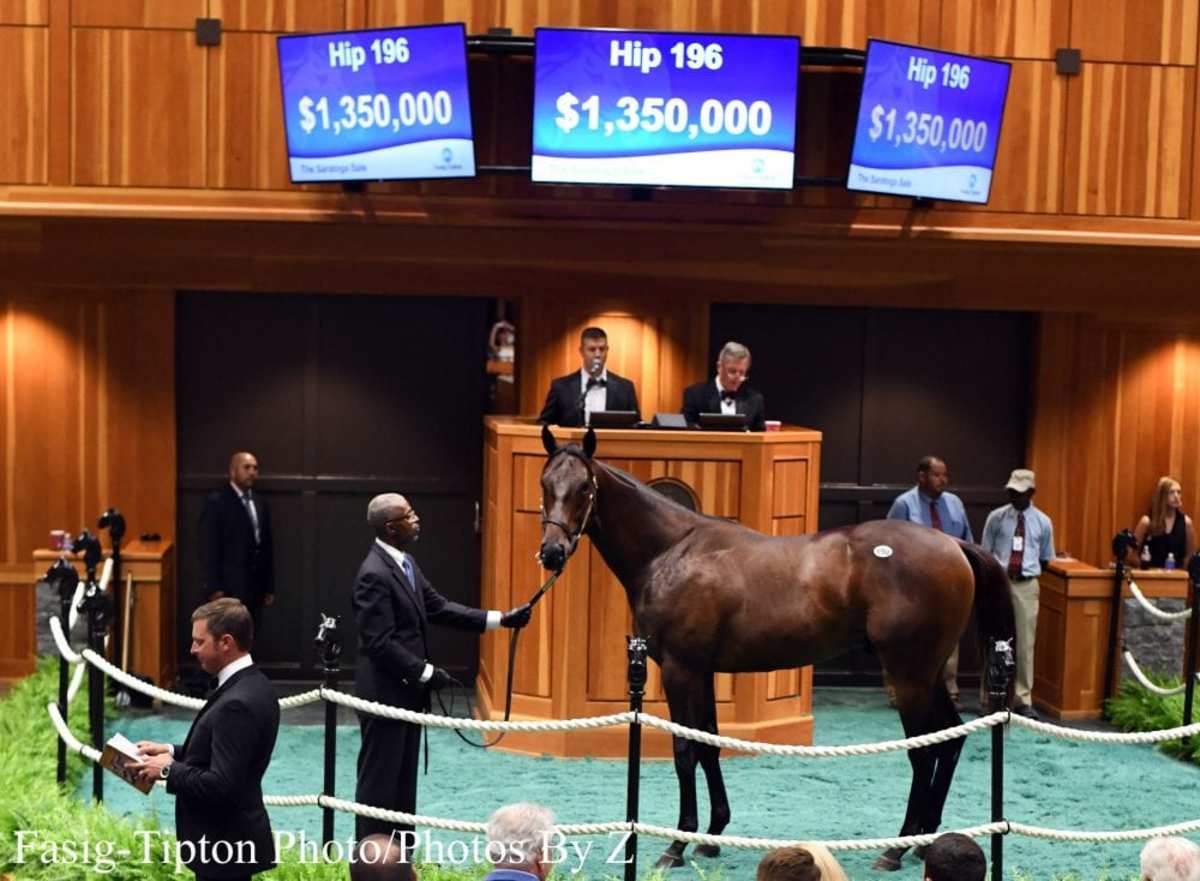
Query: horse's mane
[[656, 498]]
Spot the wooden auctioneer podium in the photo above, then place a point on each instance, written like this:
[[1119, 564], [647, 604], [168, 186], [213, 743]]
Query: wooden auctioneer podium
[[571, 659]]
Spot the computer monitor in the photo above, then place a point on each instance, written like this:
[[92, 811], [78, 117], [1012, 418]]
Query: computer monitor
[[613, 418], [723, 421]]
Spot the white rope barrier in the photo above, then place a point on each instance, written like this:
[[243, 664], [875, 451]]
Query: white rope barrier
[[61, 641], [1107, 737], [862, 749], [1146, 683], [76, 602], [132, 682], [76, 681], [73, 743], [389, 712], [1153, 610], [311, 696], [1106, 837]]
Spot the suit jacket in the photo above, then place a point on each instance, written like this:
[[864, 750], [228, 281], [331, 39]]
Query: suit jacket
[[216, 777], [563, 408], [393, 618], [232, 561], [703, 398]]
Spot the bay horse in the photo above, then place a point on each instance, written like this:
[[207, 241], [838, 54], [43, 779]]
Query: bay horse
[[711, 596]]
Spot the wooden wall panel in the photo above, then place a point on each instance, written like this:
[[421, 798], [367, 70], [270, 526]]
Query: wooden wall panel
[[135, 129], [1129, 141], [246, 144], [1029, 161], [137, 13], [24, 105], [279, 15], [479, 15], [24, 11], [1147, 31], [1004, 28], [87, 416], [1117, 407]]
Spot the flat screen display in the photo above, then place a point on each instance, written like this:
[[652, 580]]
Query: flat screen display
[[385, 104], [928, 123], [651, 108]]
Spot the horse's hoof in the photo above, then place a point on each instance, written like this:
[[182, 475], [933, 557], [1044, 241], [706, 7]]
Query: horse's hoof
[[707, 850], [888, 861], [669, 861]]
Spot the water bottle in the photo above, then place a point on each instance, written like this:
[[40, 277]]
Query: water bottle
[[1170, 564], [1146, 555]]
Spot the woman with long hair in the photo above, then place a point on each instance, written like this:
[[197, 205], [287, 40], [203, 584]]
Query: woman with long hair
[[1166, 529]]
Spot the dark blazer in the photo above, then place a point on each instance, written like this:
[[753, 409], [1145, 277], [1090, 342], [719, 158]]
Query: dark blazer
[[563, 408], [216, 777], [703, 398], [393, 622], [232, 561]]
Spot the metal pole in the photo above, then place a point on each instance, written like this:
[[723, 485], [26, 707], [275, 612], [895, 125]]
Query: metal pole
[[1193, 625], [94, 606], [1000, 669], [329, 643], [63, 576], [1121, 544], [636, 648]]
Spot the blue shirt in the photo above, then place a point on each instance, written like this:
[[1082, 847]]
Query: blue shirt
[[914, 505], [1039, 538]]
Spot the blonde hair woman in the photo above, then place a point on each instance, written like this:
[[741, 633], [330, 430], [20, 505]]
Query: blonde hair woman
[[807, 862], [1166, 529]]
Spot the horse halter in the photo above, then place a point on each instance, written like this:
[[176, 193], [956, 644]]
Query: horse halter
[[573, 535]]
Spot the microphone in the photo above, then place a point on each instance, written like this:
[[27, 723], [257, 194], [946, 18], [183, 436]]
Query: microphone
[[597, 365]]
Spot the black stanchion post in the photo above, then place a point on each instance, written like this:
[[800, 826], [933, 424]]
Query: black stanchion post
[[1193, 630], [636, 647], [114, 522], [94, 605], [1001, 666], [1121, 543], [64, 578], [329, 643]]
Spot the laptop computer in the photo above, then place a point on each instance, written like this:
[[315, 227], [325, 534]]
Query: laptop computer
[[723, 421], [613, 418]]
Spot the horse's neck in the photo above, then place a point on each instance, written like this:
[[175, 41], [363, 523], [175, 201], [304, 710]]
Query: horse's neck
[[633, 527]]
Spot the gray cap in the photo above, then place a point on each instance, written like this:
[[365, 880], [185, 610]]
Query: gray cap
[[1020, 480]]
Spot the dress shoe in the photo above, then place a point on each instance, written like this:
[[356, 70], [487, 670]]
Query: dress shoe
[[1028, 712]]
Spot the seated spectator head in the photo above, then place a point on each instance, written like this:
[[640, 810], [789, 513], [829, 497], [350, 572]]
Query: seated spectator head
[[1167, 500], [809, 862], [955, 857], [518, 836], [380, 857], [1171, 859]]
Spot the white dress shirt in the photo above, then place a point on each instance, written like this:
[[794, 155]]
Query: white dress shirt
[[232, 667], [729, 407], [594, 398]]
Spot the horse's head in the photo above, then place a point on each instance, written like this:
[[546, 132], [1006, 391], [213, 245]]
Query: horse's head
[[568, 497]]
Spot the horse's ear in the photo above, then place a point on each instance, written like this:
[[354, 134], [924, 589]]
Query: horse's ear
[[548, 441], [589, 443]]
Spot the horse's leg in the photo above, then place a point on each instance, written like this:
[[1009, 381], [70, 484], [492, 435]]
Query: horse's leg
[[913, 702], [944, 716], [685, 689], [710, 761]]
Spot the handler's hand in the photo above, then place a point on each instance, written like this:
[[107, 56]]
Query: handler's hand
[[517, 617], [268, 599], [151, 748], [149, 769]]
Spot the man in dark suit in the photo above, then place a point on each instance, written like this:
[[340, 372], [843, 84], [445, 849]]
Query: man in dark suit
[[394, 604], [728, 393], [574, 397], [236, 544], [216, 774]]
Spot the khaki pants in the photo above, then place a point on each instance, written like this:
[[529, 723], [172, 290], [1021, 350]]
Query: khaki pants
[[950, 674], [1024, 593]]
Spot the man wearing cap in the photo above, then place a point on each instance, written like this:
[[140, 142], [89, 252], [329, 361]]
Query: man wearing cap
[[1021, 538], [931, 504]]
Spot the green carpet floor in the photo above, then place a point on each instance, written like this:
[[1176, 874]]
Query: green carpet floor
[[1050, 782]]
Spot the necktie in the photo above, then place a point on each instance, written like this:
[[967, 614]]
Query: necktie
[[935, 519], [406, 565], [1015, 556], [249, 502]]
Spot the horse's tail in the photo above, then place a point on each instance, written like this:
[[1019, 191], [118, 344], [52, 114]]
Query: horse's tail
[[993, 601]]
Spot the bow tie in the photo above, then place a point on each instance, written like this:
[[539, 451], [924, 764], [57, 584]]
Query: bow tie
[[593, 382], [728, 396]]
